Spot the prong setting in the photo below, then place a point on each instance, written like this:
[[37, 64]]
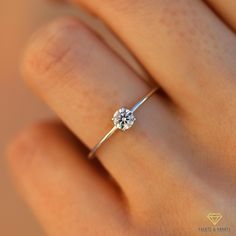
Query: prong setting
[[123, 119]]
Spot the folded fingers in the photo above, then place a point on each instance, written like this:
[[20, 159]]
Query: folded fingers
[[85, 82], [66, 193]]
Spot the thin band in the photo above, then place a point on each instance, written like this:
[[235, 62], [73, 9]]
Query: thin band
[[112, 131]]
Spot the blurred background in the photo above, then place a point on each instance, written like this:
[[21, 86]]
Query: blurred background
[[18, 106]]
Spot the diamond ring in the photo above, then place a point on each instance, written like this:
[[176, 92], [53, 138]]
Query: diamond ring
[[123, 119]]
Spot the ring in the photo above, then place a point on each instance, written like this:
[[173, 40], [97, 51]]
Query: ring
[[123, 119]]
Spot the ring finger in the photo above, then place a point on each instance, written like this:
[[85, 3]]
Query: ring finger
[[85, 82]]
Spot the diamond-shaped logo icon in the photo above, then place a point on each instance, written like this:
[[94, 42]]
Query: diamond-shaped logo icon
[[214, 218]]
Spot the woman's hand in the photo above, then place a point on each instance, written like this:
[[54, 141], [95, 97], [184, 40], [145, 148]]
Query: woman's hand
[[176, 164]]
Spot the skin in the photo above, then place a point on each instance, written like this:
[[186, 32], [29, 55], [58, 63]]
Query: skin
[[177, 163]]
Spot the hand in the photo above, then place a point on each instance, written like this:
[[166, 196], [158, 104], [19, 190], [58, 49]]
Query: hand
[[176, 164]]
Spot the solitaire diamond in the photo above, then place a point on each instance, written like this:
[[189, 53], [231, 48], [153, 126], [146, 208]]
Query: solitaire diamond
[[123, 119]]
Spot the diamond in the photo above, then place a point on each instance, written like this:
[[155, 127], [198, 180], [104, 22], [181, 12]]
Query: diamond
[[123, 119]]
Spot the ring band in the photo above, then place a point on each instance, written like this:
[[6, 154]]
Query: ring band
[[123, 119]]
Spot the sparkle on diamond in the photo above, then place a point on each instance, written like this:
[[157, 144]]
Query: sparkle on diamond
[[123, 119]]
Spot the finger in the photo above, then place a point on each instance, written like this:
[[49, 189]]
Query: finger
[[226, 9], [85, 82], [181, 43], [67, 193]]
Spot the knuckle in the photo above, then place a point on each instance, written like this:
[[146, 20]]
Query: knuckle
[[49, 47], [25, 149]]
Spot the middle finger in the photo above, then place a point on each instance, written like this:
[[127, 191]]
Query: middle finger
[[182, 43]]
